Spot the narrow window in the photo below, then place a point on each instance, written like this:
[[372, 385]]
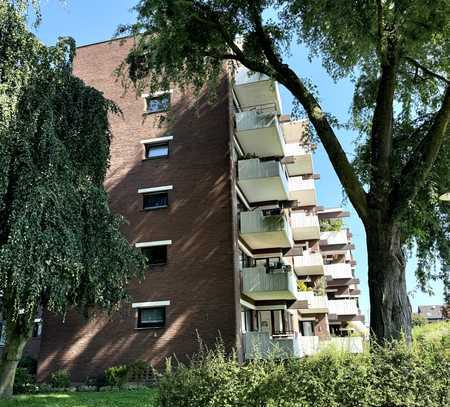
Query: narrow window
[[156, 150], [155, 200], [158, 103], [151, 317], [156, 255]]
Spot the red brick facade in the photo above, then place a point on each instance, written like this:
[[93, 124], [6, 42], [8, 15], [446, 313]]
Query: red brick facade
[[201, 278]]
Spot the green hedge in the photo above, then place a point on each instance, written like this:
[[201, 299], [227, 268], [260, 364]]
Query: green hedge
[[389, 376]]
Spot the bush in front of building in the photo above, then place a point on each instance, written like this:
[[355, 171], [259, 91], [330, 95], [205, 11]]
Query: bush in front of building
[[59, 379], [393, 375]]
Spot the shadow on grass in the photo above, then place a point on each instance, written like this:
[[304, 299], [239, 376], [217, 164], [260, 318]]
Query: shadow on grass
[[141, 398]]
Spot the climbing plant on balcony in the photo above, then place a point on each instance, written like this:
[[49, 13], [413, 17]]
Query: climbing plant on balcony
[[60, 245], [395, 51]]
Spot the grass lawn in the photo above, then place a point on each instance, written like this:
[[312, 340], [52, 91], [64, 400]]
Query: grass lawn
[[433, 331], [129, 398]]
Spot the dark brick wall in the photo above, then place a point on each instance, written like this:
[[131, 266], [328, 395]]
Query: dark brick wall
[[200, 277]]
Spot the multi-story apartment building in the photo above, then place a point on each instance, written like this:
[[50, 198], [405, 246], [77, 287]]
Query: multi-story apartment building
[[219, 194]]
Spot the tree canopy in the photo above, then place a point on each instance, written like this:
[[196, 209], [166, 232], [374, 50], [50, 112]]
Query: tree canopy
[[395, 51], [60, 244]]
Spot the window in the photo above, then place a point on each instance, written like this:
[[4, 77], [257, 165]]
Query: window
[[307, 328], [154, 317], [37, 329], [156, 255], [158, 103], [156, 150], [2, 334], [155, 201]]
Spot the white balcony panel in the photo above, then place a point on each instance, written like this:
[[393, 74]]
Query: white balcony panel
[[262, 180], [265, 232], [254, 89], [295, 131], [303, 190], [302, 160], [309, 344], [343, 307], [317, 304], [259, 345], [352, 344], [259, 132], [305, 226], [310, 264], [258, 284], [338, 271], [334, 237]]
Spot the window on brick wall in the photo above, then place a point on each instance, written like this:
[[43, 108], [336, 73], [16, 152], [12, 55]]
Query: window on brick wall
[[156, 150], [155, 200], [159, 103], [154, 317], [155, 255]]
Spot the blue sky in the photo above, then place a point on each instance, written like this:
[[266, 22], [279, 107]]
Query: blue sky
[[97, 20]]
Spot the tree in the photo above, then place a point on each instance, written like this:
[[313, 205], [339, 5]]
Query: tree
[[60, 245], [396, 51]]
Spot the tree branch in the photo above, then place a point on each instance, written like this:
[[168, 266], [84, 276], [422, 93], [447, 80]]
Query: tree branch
[[426, 70], [338, 158], [418, 167]]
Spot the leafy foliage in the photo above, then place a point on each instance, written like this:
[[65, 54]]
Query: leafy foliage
[[59, 379], [399, 47], [393, 375]]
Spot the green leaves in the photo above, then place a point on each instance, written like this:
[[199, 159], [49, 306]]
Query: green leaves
[[60, 245]]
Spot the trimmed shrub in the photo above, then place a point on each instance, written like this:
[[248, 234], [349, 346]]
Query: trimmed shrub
[[24, 382], [395, 375], [117, 376], [59, 379]]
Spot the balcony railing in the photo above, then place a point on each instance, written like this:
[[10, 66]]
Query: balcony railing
[[265, 232], [259, 345], [298, 160], [309, 264], [305, 226], [316, 303], [262, 181], [334, 238], [277, 284], [338, 271], [259, 132], [253, 88], [343, 307], [303, 190]]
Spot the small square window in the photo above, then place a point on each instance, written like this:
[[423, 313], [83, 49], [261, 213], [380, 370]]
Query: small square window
[[155, 201], [157, 104], [156, 150], [156, 255], [151, 317]]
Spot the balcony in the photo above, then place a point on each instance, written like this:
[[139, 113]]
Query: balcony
[[334, 238], [259, 132], [305, 226], [316, 304], [298, 160], [296, 131], [310, 264], [260, 284], [262, 181], [339, 271], [259, 345], [343, 307], [265, 232], [303, 190], [253, 89]]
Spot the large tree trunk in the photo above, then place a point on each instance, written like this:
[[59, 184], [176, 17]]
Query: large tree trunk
[[390, 310], [15, 343]]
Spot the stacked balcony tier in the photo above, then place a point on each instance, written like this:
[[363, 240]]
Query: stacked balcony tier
[[305, 226], [256, 89], [259, 345], [313, 304], [265, 232], [260, 284], [344, 310], [303, 190], [259, 133], [298, 160], [339, 271], [309, 264], [262, 181]]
